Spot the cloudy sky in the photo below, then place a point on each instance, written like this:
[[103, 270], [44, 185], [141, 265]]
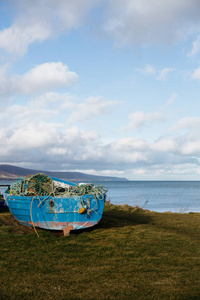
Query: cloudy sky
[[105, 87]]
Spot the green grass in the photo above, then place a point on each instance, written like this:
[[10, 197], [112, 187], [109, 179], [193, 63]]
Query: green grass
[[131, 254]]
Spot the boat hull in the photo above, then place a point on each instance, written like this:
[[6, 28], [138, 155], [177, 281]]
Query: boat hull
[[56, 213]]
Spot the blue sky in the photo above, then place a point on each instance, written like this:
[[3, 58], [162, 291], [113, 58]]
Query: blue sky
[[102, 87]]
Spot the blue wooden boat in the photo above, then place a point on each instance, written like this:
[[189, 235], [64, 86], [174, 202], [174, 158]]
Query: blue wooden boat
[[57, 212]]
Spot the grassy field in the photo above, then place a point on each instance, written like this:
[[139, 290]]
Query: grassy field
[[131, 254]]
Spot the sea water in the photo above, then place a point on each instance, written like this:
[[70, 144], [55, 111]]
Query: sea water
[[160, 196]]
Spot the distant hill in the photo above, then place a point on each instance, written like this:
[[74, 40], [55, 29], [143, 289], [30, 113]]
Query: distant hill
[[8, 172]]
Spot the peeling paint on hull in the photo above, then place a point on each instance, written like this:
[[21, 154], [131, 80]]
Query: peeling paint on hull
[[60, 225], [56, 213]]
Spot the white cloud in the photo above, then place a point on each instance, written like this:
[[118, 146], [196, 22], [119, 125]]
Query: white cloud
[[172, 99], [196, 74], [195, 47], [163, 73], [149, 70], [183, 140], [127, 151], [130, 144], [55, 146], [139, 119], [127, 21], [92, 107], [39, 130], [25, 113], [139, 171], [191, 147], [45, 77], [159, 74], [17, 38], [36, 21], [166, 144], [187, 123], [145, 21], [7, 84], [39, 140], [61, 101], [34, 136]]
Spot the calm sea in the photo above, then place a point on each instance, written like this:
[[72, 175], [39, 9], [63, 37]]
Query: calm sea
[[160, 196]]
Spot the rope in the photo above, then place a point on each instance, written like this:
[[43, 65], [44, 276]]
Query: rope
[[43, 185], [32, 216]]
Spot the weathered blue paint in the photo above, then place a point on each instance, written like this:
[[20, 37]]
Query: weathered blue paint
[[56, 213]]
